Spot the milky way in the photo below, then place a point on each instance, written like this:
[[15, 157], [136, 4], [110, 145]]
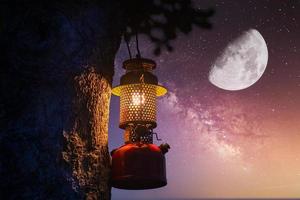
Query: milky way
[[225, 143]]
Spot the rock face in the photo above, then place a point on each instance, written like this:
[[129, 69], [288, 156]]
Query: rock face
[[56, 71]]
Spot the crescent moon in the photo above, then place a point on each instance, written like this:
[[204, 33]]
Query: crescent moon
[[242, 62]]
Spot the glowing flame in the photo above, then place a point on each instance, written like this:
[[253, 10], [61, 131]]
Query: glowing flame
[[138, 99]]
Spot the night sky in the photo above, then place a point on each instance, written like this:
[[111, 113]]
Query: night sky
[[226, 143]]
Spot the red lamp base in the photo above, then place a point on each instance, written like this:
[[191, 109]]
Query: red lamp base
[[138, 166]]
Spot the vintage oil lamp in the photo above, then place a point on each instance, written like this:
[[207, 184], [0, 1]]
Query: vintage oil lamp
[[139, 164]]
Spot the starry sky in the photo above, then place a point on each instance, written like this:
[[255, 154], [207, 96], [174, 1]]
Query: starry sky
[[226, 143]]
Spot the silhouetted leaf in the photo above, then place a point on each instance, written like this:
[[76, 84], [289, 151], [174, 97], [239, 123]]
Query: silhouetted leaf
[[157, 51]]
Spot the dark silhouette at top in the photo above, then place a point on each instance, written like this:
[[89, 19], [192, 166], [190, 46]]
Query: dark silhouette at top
[[164, 18]]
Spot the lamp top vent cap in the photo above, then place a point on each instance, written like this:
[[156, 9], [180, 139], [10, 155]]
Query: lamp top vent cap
[[139, 64]]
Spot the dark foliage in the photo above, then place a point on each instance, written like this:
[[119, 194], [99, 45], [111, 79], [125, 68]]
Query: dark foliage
[[160, 20]]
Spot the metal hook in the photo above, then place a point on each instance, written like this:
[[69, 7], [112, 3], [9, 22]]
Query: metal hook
[[156, 136]]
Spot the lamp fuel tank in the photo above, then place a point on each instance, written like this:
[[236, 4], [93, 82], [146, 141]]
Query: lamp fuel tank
[[139, 166]]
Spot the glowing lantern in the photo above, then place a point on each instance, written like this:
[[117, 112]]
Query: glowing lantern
[[138, 164]]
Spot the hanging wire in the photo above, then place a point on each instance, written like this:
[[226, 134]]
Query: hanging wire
[[126, 38], [137, 45]]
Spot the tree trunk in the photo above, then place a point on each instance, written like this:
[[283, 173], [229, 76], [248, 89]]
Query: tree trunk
[[85, 149], [55, 90]]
